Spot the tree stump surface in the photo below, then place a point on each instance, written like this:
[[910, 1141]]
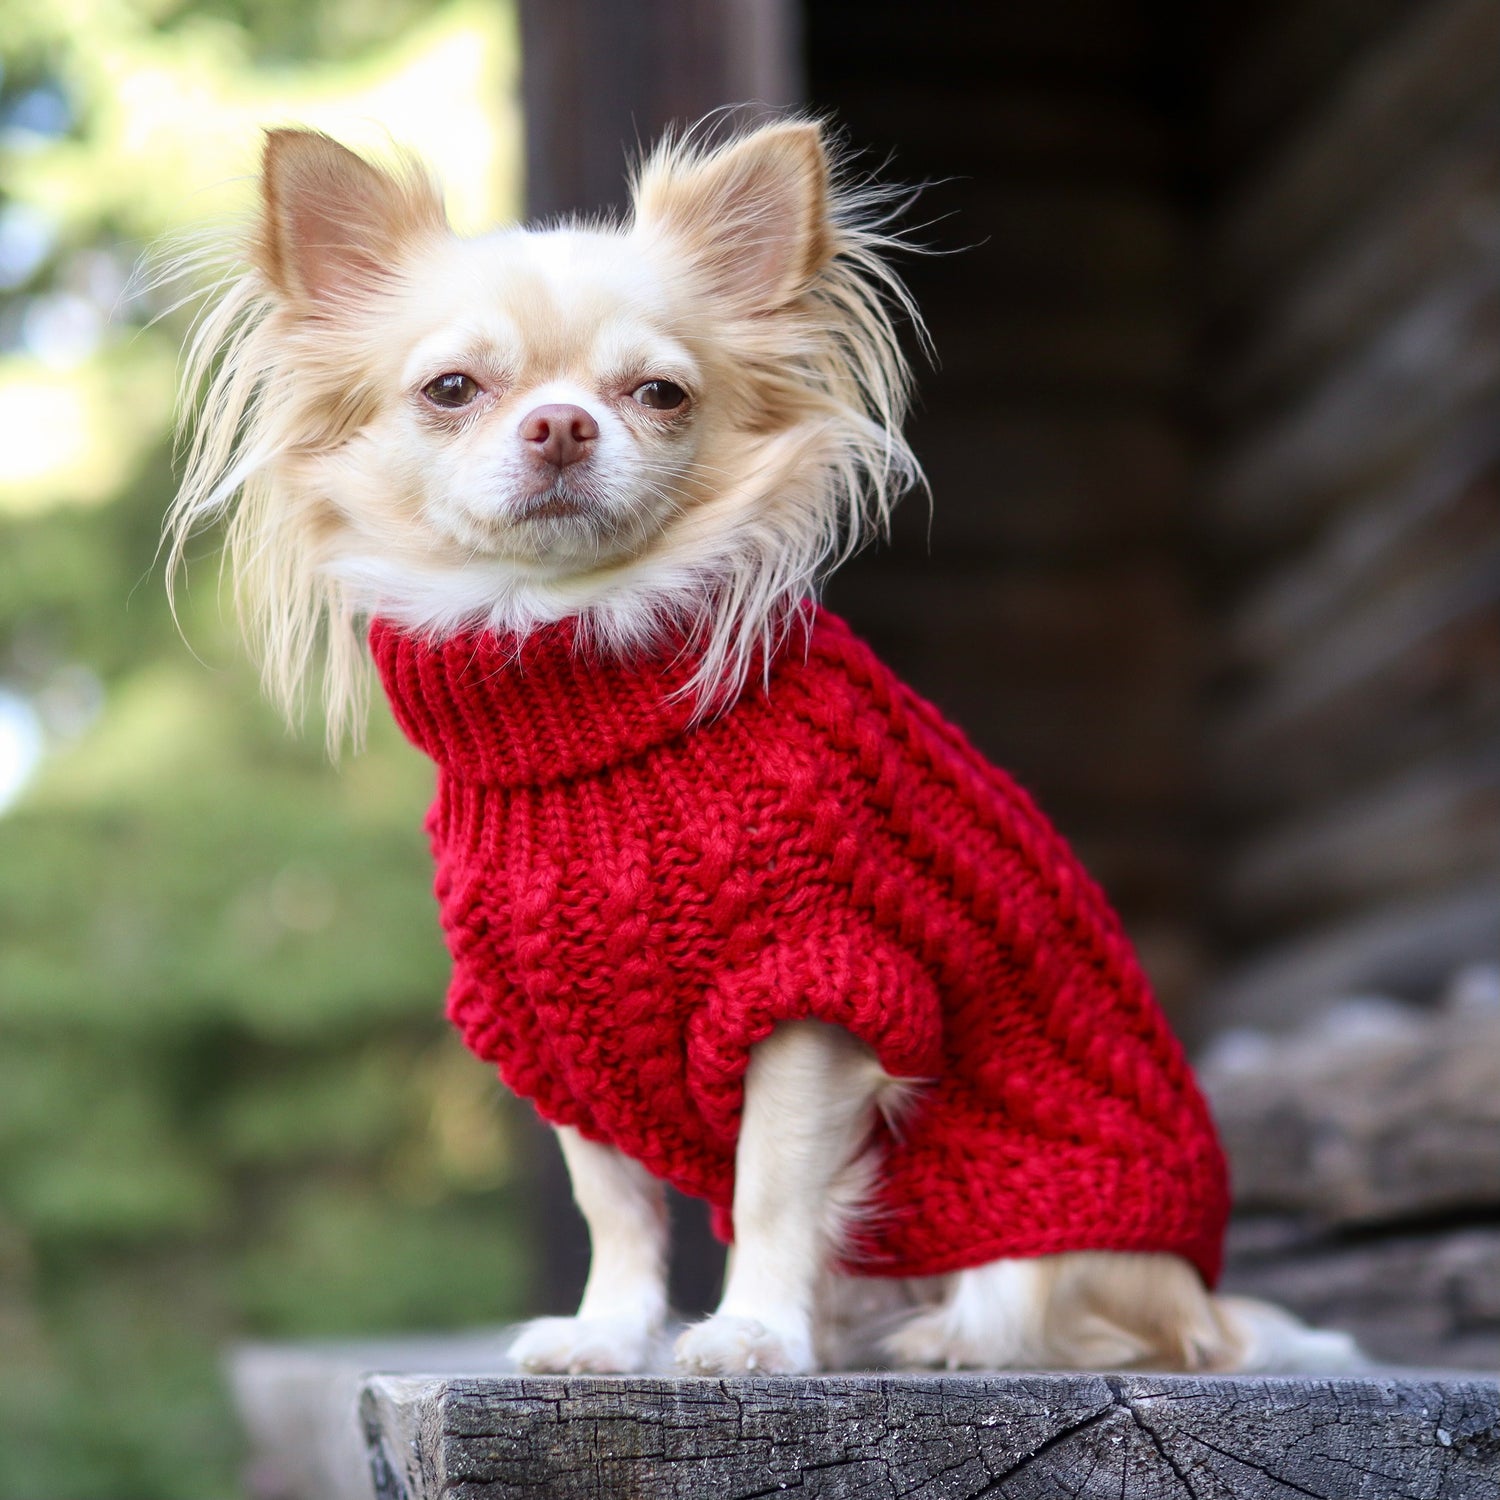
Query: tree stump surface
[[961, 1437]]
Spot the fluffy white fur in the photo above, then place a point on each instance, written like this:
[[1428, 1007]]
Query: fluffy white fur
[[368, 425], [742, 276]]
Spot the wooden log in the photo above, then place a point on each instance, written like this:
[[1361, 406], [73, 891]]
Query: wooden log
[[1124, 1437], [1424, 1298], [1420, 374], [1373, 1116], [1454, 490], [1403, 947], [1425, 74], [1422, 830], [1440, 219], [1345, 701]]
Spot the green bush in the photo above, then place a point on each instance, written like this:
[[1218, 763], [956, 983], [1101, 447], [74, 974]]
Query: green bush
[[229, 1104]]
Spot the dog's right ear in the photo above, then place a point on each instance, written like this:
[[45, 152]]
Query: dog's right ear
[[332, 226]]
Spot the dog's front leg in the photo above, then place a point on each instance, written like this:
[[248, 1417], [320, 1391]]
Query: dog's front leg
[[625, 1298], [809, 1097]]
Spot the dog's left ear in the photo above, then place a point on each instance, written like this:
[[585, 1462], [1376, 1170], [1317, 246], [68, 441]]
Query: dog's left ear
[[752, 215]]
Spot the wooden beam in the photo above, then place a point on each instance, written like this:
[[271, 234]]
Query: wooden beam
[[1453, 489], [1441, 218], [601, 79], [1437, 631], [1420, 831]]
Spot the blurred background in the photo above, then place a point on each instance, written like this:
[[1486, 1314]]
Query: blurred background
[[1213, 567], [227, 1103]]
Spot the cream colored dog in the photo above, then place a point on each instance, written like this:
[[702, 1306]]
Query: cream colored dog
[[506, 431]]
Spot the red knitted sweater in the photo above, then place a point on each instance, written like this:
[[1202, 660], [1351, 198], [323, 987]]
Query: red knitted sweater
[[633, 900]]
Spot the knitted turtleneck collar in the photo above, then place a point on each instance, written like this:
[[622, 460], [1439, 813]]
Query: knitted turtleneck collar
[[510, 710]]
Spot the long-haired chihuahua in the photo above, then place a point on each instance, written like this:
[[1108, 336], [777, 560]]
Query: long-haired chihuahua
[[734, 907]]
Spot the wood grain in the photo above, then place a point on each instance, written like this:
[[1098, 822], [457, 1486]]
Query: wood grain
[[1408, 86], [1408, 946], [1124, 1437]]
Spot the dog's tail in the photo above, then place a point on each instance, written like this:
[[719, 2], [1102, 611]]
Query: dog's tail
[[1271, 1340]]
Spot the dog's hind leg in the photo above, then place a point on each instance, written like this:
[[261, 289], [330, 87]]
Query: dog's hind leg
[[1091, 1310], [1080, 1310], [811, 1092], [625, 1298]]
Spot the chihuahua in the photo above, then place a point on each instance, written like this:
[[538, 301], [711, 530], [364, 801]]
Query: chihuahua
[[735, 908]]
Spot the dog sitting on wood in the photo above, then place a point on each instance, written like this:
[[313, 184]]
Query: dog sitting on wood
[[734, 907]]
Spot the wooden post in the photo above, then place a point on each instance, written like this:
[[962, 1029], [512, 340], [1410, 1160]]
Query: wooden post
[[600, 79]]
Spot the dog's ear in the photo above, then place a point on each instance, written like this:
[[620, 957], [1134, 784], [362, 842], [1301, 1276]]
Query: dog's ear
[[752, 216], [331, 225]]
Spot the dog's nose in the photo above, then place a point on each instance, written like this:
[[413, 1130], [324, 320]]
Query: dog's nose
[[559, 434]]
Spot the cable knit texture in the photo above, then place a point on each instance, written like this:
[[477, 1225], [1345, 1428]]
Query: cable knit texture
[[633, 900]]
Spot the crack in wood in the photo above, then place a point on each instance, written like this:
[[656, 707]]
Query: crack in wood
[[1026, 1460], [1261, 1469], [1154, 1438], [944, 1438]]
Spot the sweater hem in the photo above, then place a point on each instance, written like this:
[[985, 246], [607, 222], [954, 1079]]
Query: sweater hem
[[972, 1257]]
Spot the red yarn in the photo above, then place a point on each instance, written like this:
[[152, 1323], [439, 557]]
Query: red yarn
[[633, 900]]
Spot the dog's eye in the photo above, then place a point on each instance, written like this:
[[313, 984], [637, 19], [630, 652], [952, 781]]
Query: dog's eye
[[659, 395], [451, 390]]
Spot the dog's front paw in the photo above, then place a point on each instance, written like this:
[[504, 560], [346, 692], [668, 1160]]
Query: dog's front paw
[[583, 1346], [730, 1345]]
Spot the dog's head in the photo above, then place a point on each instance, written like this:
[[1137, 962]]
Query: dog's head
[[682, 418]]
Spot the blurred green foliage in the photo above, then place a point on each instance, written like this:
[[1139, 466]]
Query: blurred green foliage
[[229, 1105]]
